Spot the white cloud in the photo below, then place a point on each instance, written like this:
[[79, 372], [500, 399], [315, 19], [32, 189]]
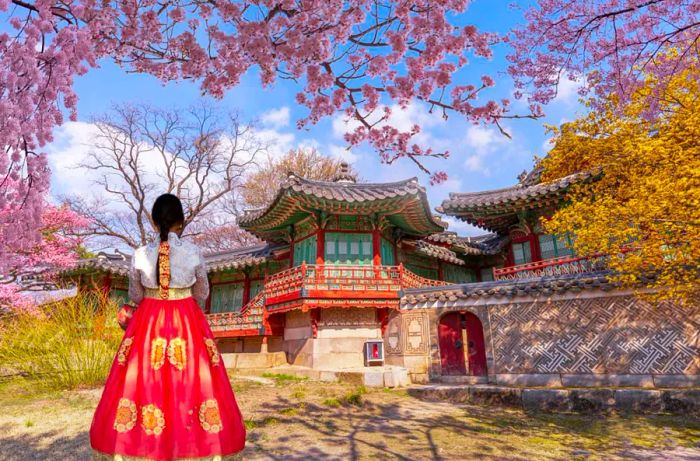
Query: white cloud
[[480, 142], [461, 227], [567, 91], [70, 146], [343, 153], [400, 118], [276, 118]]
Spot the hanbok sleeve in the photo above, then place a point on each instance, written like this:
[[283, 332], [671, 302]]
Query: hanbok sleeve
[[200, 289], [136, 290]]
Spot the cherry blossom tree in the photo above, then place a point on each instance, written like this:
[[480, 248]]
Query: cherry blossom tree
[[610, 47], [351, 57], [58, 248]]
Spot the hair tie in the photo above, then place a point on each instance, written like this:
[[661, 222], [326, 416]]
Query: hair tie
[[164, 269]]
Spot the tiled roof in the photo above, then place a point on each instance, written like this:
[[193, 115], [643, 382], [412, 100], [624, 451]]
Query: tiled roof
[[507, 288], [118, 263], [489, 244], [238, 259], [486, 209], [404, 203], [113, 263], [437, 251]]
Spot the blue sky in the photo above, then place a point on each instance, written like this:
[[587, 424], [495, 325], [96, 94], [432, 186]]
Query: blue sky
[[481, 158]]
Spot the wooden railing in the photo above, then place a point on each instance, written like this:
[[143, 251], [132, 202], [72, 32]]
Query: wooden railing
[[248, 318], [548, 267], [344, 278]]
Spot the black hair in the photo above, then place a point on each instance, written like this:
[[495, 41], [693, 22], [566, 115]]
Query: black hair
[[166, 212]]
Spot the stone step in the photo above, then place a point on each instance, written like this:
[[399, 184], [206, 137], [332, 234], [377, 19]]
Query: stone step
[[587, 401], [464, 379]]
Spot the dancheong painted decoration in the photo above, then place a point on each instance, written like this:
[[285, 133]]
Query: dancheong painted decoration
[[347, 264]]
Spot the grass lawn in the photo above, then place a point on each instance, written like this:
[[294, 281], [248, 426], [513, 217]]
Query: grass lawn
[[297, 419]]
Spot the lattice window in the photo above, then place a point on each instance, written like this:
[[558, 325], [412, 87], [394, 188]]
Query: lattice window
[[521, 253], [554, 246], [387, 252], [305, 250], [348, 248], [226, 297]]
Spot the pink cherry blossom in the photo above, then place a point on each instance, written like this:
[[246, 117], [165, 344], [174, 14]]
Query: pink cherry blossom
[[607, 47], [348, 57]]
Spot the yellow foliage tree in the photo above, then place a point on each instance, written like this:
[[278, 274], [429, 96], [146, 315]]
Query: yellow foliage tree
[[262, 186], [644, 208]]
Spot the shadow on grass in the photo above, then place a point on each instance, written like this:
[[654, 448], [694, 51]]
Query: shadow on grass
[[402, 431], [50, 445]]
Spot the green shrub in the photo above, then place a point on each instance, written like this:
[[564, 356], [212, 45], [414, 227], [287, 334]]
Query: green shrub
[[65, 345]]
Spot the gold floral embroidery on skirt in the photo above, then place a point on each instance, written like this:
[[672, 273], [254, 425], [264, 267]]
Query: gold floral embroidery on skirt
[[125, 419], [152, 419], [176, 353], [124, 350], [158, 352], [209, 416], [213, 351]]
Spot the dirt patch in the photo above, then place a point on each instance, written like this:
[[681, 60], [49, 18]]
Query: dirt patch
[[295, 420]]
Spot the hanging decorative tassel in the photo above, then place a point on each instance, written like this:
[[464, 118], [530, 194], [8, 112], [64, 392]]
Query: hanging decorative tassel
[[164, 269]]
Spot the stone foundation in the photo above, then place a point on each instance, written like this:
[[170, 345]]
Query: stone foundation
[[339, 340], [586, 401]]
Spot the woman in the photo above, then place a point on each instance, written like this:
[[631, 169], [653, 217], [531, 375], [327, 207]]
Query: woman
[[167, 396]]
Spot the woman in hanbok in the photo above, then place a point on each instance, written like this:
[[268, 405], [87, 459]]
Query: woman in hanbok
[[167, 396]]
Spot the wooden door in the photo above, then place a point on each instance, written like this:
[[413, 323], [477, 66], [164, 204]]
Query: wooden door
[[451, 346], [476, 350]]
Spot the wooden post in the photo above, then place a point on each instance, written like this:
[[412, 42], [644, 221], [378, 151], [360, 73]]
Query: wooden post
[[376, 247], [440, 272], [106, 285], [320, 246], [246, 288]]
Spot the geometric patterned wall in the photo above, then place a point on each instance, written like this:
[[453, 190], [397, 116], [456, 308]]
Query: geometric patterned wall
[[407, 334], [615, 334]]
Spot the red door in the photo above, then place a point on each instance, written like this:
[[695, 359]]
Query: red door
[[451, 347], [476, 351]]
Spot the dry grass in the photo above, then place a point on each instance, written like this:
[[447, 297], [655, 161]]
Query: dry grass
[[65, 345], [292, 421]]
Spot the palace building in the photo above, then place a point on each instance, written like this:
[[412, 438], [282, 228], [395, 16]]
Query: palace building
[[357, 274]]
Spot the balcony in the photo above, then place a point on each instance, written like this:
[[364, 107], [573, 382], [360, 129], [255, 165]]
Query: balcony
[[342, 282], [313, 285], [565, 265]]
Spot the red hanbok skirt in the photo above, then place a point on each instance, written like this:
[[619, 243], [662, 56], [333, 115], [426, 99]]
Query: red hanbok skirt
[[167, 396]]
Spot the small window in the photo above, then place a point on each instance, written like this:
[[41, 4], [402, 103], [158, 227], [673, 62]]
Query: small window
[[555, 246], [521, 253]]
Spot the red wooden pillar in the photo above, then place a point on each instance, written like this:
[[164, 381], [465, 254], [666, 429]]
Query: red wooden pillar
[[291, 254], [320, 246], [376, 247], [440, 274], [106, 285], [535, 248]]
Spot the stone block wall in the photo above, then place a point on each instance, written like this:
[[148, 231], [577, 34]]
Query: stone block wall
[[340, 337], [590, 338]]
